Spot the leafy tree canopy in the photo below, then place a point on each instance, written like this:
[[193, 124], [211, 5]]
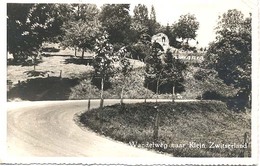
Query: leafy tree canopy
[[186, 27], [28, 25], [116, 20], [230, 54]]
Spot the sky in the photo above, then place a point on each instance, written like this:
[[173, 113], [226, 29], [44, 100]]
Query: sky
[[206, 12]]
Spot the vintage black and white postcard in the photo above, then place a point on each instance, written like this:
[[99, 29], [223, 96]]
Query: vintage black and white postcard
[[130, 82]]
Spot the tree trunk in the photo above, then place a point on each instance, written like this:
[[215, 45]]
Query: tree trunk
[[173, 93], [34, 63], [157, 89], [122, 95], [245, 150], [88, 104], [249, 100], [82, 55], [75, 49], [156, 127], [145, 97], [101, 93]]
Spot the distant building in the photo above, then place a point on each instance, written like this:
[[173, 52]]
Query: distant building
[[162, 39]]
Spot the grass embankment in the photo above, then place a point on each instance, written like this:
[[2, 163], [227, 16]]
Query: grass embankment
[[180, 125]]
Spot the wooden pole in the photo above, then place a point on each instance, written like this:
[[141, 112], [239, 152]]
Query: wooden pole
[[101, 94], [88, 104], [121, 96], [173, 94], [156, 125], [245, 150], [75, 49]]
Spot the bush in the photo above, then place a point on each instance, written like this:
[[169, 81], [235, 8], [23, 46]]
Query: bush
[[140, 50], [212, 95], [84, 90]]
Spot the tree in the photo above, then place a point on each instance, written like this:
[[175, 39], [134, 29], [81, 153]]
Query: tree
[[84, 12], [83, 27], [80, 34], [154, 69], [103, 63], [28, 25], [230, 54], [140, 22], [186, 27], [153, 24], [172, 74], [164, 73], [123, 72], [116, 20]]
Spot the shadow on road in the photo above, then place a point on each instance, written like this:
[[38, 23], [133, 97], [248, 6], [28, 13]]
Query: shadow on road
[[51, 88]]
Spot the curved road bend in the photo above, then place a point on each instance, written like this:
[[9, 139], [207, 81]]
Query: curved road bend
[[47, 129]]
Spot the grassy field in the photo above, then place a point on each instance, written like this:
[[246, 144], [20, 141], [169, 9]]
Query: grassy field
[[183, 127], [43, 82]]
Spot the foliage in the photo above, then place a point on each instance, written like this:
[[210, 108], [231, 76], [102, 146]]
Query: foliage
[[140, 22], [154, 69], [186, 27], [169, 31], [172, 75], [141, 50], [84, 90], [84, 12], [153, 24], [116, 20], [81, 34], [29, 25], [82, 29], [230, 54], [164, 72], [103, 63], [104, 57], [123, 71]]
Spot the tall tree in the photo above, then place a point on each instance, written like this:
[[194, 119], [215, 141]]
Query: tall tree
[[123, 71], [141, 14], [80, 34], [186, 28], [140, 21], [172, 75], [103, 63], [230, 54], [83, 27], [153, 24], [116, 20], [153, 14], [84, 12], [154, 69]]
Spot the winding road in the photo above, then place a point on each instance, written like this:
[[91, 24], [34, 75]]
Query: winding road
[[47, 129]]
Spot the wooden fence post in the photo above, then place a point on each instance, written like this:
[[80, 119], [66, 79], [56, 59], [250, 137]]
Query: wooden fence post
[[245, 150], [60, 73], [156, 125], [88, 104]]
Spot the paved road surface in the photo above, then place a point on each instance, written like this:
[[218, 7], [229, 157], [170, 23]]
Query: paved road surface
[[47, 129]]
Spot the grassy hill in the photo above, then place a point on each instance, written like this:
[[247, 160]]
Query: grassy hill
[[75, 80], [180, 125]]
